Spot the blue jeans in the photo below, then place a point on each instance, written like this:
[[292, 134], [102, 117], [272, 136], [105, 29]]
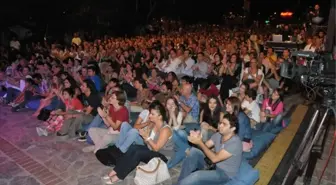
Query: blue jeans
[[268, 126], [12, 94], [192, 126], [97, 122], [127, 137], [181, 144], [192, 173]]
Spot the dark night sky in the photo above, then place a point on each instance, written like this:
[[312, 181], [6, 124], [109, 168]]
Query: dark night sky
[[191, 10]]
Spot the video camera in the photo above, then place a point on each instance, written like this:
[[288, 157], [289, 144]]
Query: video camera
[[316, 72]]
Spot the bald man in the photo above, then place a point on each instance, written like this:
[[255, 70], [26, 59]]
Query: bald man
[[189, 103]]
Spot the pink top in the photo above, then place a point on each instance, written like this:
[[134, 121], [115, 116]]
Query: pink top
[[278, 110], [267, 106]]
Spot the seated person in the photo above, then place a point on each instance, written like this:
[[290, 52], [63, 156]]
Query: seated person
[[189, 104], [129, 135], [158, 138], [56, 118], [165, 92], [272, 108], [142, 95], [49, 94], [252, 74], [210, 117], [74, 122], [30, 92], [233, 106], [272, 77], [243, 88], [117, 114], [251, 107], [227, 155], [175, 116]]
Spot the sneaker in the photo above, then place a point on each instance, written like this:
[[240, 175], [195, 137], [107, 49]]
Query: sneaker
[[62, 136], [41, 132], [88, 149], [82, 136]]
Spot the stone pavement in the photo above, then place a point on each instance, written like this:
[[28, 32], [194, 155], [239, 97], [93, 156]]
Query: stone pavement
[[27, 159]]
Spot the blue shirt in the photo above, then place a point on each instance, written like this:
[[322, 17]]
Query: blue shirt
[[96, 80], [193, 103]]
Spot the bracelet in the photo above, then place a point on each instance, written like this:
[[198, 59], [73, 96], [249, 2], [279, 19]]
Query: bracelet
[[148, 138]]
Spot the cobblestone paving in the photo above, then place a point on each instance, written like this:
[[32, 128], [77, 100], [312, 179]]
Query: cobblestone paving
[[27, 159]]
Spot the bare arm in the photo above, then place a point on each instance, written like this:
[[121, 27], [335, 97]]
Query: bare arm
[[110, 123], [163, 139], [214, 157]]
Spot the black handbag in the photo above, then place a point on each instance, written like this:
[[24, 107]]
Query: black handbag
[[44, 115]]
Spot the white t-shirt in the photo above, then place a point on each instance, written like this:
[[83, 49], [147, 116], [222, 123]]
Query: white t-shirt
[[144, 115], [250, 75], [254, 110]]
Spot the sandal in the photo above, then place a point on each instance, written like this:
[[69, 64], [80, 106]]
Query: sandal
[[110, 181]]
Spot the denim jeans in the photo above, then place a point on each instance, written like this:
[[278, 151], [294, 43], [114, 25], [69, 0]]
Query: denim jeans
[[192, 173], [181, 144], [96, 122], [127, 137], [11, 94], [191, 126], [268, 126]]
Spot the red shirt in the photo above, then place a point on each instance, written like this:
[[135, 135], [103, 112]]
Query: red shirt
[[211, 91], [119, 115], [75, 104]]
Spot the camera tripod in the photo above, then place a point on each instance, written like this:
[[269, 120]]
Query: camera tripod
[[312, 145]]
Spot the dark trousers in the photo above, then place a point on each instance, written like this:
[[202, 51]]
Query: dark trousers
[[198, 82], [228, 83], [11, 94], [134, 155], [28, 96], [109, 156]]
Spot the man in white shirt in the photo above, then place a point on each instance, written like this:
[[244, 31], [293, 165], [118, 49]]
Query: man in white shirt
[[185, 67], [172, 63], [200, 70], [251, 107]]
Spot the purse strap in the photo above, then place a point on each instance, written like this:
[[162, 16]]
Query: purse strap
[[156, 168]]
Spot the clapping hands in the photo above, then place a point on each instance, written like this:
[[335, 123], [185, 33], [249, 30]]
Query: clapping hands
[[195, 137]]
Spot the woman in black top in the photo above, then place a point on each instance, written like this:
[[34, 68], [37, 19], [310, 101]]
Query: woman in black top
[[210, 116]]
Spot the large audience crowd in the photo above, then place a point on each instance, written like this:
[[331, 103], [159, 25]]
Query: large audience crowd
[[193, 96]]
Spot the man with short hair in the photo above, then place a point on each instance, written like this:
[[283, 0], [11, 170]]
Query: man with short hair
[[74, 121], [227, 155], [189, 103]]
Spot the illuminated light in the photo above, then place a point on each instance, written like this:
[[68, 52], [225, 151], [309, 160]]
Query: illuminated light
[[286, 14], [274, 13]]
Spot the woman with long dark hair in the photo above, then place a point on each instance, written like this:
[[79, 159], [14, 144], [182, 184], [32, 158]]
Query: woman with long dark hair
[[210, 116], [233, 106], [271, 111], [157, 137]]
